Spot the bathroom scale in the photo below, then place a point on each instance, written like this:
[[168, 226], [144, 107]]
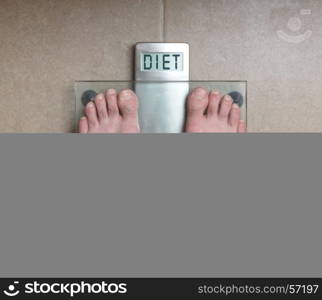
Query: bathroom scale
[[162, 85]]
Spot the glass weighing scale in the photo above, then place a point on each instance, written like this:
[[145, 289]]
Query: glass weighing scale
[[162, 86]]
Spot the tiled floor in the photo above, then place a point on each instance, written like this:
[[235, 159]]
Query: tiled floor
[[47, 44]]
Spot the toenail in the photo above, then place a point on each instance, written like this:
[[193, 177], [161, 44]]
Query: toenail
[[83, 118], [127, 94], [100, 97], [215, 93], [228, 98], [111, 91], [200, 93], [90, 104], [236, 106]]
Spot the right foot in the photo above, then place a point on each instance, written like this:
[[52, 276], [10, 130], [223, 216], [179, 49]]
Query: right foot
[[111, 113], [210, 112]]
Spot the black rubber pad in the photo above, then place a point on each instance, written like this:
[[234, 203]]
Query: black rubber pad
[[237, 97], [88, 96]]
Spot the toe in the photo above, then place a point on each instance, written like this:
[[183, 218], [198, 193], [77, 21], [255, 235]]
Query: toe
[[242, 127], [112, 102], [83, 125], [225, 106], [128, 104], [91, 114], [100, 103], [197, 102], [214, 101], [234, 117]]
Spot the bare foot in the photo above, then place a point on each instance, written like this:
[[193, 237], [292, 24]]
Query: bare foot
[[210, 112], [111, 113]]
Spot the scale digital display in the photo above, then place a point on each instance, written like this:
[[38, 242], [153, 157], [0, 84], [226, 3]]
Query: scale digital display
[[161, 61]]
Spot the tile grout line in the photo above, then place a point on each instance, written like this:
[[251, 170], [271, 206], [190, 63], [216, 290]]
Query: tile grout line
[[162, 20]]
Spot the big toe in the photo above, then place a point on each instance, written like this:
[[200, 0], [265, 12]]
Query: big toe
[[128, 104], [197, 103]]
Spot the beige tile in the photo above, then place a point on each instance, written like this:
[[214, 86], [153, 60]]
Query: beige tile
[[9, 96], [48, 44], [233, 39], [9, 102]]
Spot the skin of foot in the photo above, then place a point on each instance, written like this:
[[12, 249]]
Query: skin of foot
[[213, 112], [111, 113]]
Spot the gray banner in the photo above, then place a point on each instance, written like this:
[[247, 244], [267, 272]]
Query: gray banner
[[161, 205]]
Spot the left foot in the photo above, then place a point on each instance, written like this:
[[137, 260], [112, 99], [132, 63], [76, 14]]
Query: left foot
[[111, 113], [212, 112]]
